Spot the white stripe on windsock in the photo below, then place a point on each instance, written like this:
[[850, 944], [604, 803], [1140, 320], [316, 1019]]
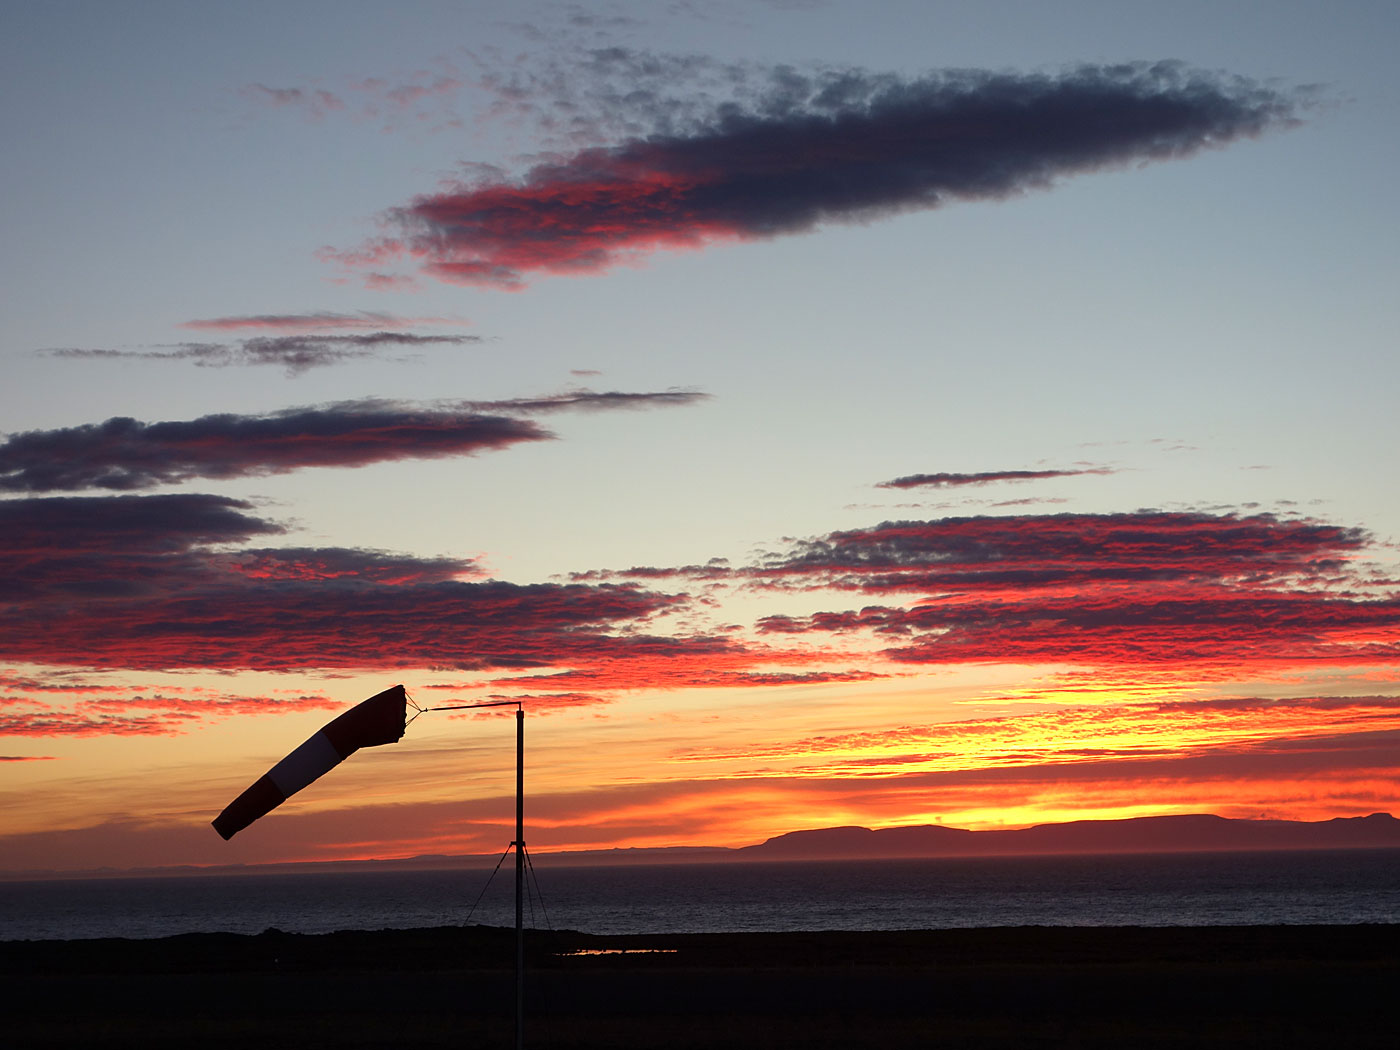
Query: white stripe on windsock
[[314, 758]]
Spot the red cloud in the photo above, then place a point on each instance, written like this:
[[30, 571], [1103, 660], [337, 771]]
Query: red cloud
[[67, 723], [819, 152], [334, 563], [126, 582], [1101, 590], [60, 683], [229, 621], [685, 670], [545, 703], [130, 582], [140, 715]]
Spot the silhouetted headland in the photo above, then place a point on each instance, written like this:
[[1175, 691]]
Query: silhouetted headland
[[1187, 832]]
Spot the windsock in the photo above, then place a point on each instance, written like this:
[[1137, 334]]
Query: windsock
[[378, 720]]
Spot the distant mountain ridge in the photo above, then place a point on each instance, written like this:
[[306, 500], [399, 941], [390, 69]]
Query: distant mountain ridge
[[1195, 832], [1177, 833]]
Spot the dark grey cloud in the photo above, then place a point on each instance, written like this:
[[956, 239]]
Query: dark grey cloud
[[810, 149], [295, 353], [125, 454], [56, 550], [969, 555], [315, 321], [54, 525], [591, 401], [986, 477], [60, 549]]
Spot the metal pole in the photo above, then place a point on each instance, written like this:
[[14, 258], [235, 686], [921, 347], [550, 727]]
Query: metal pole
[[519, 845], [519, 878]]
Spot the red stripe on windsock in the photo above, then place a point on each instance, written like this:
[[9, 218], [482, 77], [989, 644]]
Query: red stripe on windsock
[[262, 797], [378, 720]]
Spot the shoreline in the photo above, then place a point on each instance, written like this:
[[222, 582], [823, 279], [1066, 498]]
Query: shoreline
[[1282, 986], [441, 945]]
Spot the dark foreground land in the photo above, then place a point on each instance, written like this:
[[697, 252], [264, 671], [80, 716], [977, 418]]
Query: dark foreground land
[[1276, 987]]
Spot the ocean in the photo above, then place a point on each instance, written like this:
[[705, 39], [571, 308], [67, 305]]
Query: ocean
[[1321, 887]]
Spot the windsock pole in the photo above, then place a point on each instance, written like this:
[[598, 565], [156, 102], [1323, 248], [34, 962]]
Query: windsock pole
[[519, 878], [519, 846], [381, 720]]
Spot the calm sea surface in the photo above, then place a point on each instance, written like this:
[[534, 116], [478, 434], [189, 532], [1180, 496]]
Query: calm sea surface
[[1212, 889]]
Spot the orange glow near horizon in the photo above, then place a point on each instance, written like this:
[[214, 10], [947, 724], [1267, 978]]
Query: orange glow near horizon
[[720, 766], [704, 774]]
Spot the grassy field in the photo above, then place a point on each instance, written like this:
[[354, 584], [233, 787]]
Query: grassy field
[[1275, 987]]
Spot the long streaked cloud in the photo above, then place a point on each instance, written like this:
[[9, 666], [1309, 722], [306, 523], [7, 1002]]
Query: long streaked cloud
[[317, 321], [977, 554], [1033, 770], [159, 582], [74, 526], [986, 477], [1157, 731], [125, 454], [227, 622], [154, 715], [591, 401], [59, 551], [1252, 633], [295, 354], [1144, 589], [146, 583], [841, 147], [689, 674], [970, 555], [1162, 599]]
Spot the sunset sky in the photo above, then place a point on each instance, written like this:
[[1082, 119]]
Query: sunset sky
[[816, 413]]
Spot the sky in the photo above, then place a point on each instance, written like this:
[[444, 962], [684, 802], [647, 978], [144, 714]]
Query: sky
[[814, 413]]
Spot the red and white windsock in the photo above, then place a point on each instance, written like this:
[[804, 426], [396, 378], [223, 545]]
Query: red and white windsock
[[378, 720]]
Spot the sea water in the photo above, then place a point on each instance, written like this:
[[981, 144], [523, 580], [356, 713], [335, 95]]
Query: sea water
[[1199, 889]]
